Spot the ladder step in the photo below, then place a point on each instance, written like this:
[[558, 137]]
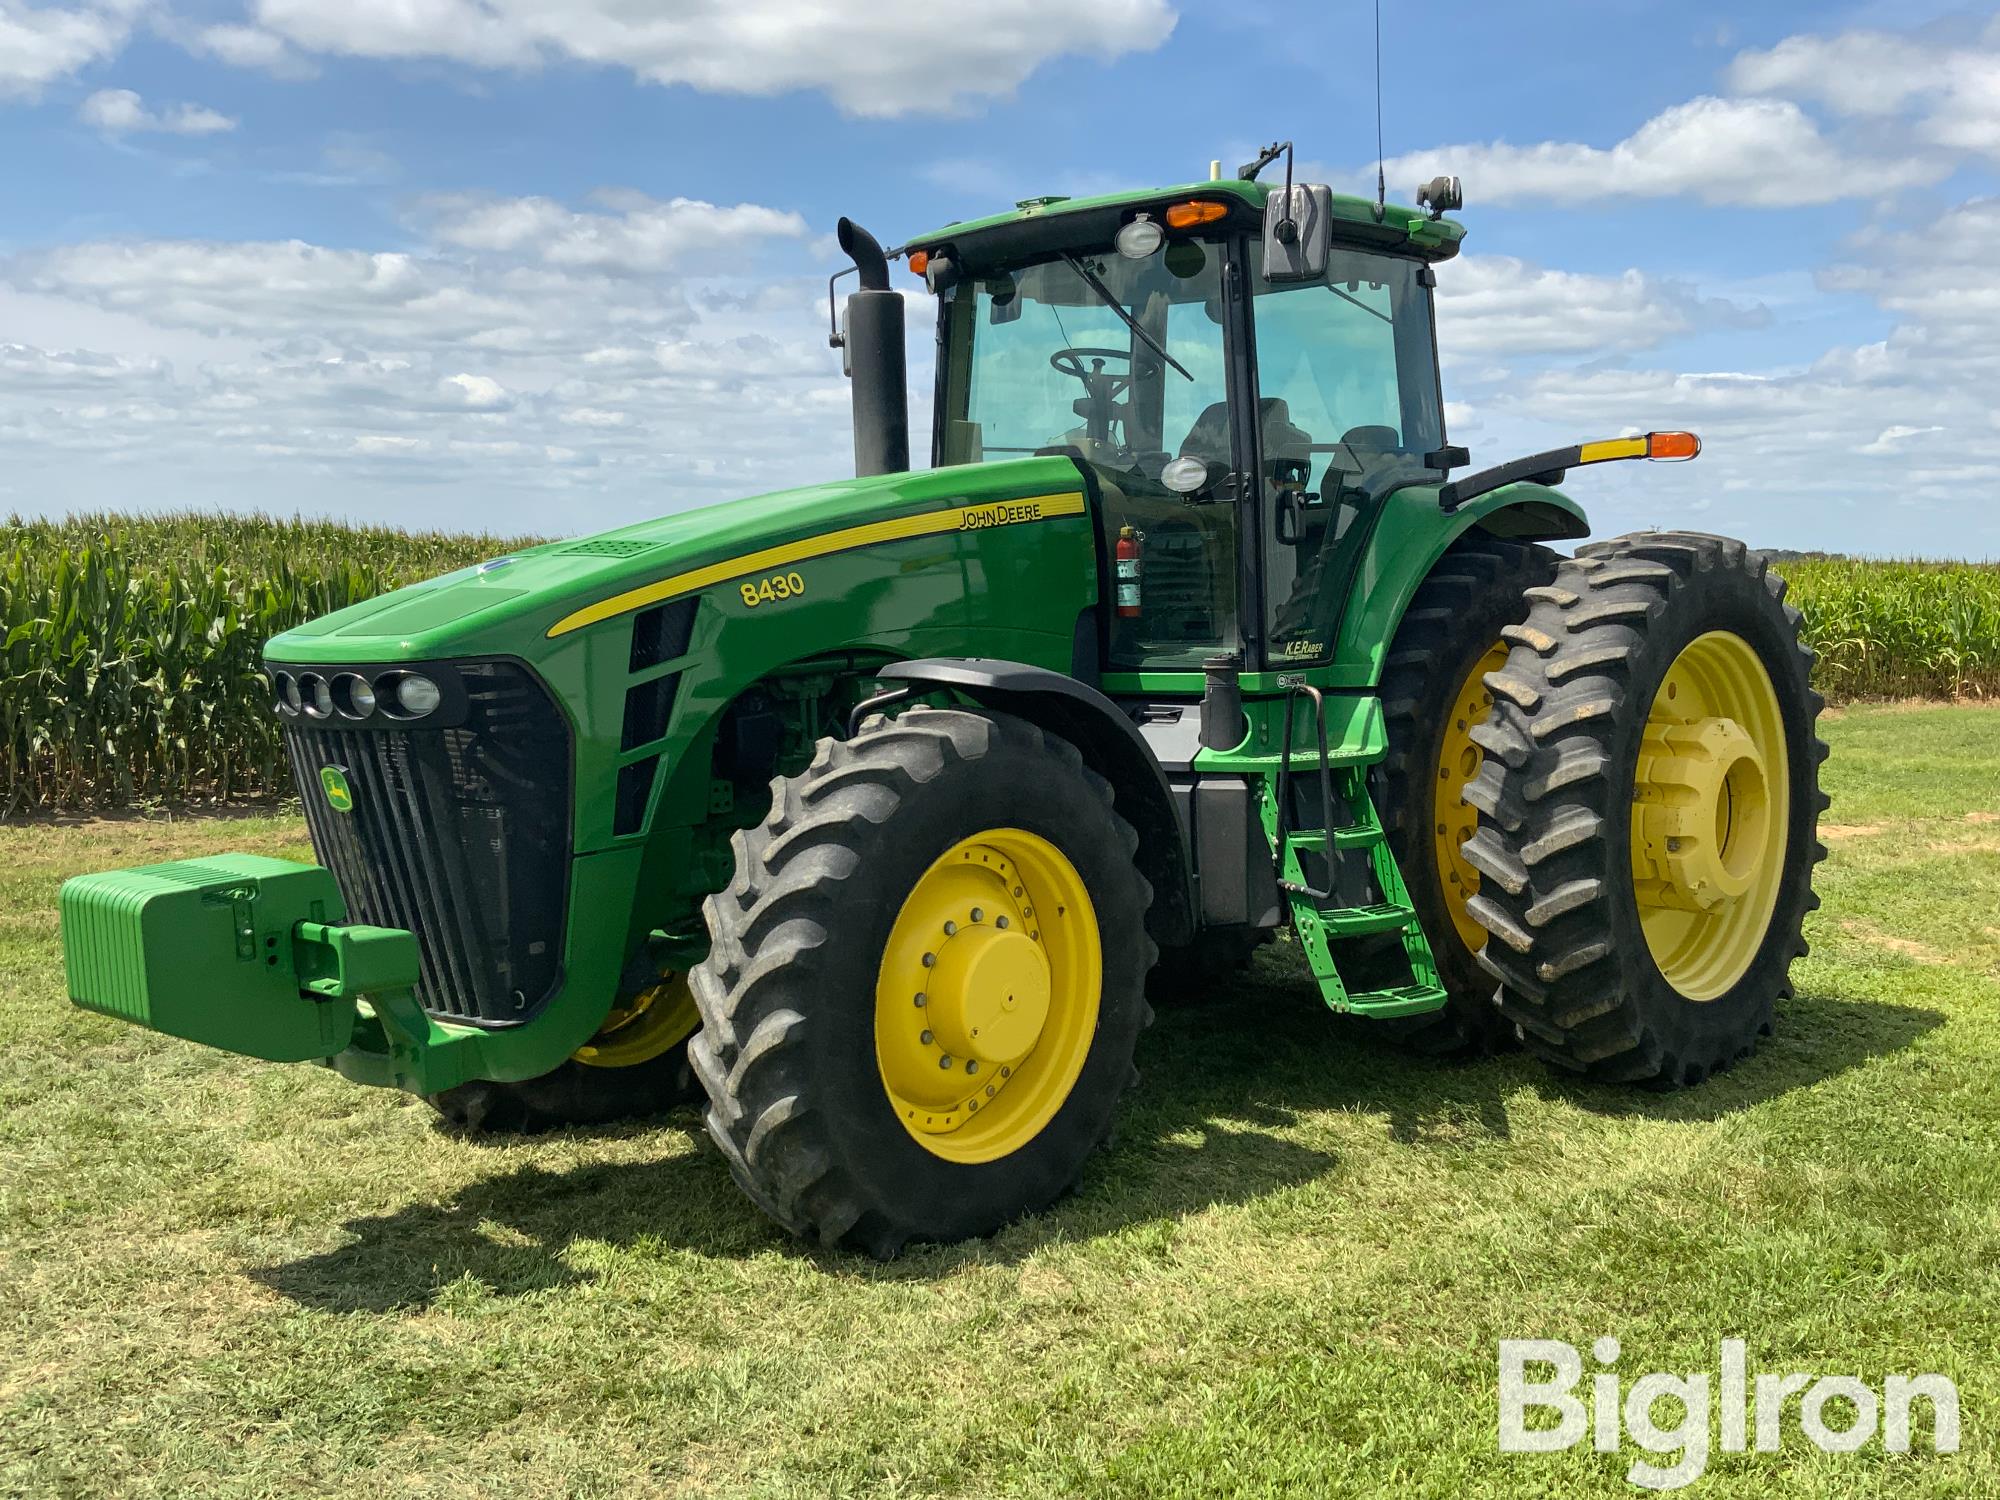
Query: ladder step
[[1359, 921], [1313, 840], [1403, 1000]]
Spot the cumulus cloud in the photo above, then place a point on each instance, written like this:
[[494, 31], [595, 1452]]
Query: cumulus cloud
[[120, 112], [891, 57], [612, 352], [636, 235], [1951, 90], [1495, 306], [41, 44], [1762, 153]]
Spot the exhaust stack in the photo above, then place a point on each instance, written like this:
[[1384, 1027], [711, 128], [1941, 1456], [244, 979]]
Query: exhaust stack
[[872, 328]]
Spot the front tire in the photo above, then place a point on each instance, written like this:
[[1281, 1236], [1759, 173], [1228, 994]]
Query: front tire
[[844, 1047], [1648, 809]]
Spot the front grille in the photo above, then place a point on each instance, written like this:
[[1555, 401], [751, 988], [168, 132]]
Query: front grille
[[458, 833]]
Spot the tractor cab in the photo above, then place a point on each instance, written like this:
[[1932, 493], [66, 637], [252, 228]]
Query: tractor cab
[[1241, 389]]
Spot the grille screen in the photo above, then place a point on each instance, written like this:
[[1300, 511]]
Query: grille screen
[[458, 834]]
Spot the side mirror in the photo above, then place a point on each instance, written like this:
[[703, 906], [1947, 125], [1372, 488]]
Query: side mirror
[[1298, 232]]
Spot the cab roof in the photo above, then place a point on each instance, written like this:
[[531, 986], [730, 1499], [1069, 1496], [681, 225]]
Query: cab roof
[[1036, 224]]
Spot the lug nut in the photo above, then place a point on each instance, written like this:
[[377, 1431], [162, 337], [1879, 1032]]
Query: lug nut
[[922, 998], [978, 915], [927, 1038], [945, 1061], [929, 959], [1000, 922], [973, 1066]]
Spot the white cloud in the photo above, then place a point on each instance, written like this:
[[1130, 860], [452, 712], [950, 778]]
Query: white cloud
[[885, 58], [1764, 153], [41, 44], [640, 236], [250, 47], [1495, 306], [1952, 89], [120, 112], [636, 379]]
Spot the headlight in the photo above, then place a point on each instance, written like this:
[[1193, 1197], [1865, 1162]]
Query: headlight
[[417, 696], [286, 686], [353, 696], [1139, 239], [1185, 476], [318, 696]]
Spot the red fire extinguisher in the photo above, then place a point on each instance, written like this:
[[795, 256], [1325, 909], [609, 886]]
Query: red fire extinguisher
[[1125, 557]]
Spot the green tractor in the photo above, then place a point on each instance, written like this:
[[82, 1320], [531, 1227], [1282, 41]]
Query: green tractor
[[869, 811]]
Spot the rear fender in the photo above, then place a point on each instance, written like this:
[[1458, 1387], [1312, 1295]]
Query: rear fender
[[1411, 534]]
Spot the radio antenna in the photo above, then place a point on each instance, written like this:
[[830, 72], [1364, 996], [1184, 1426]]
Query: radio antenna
[[1381, 180]]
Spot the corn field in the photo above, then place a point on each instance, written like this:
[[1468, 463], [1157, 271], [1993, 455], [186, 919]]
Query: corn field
[[1900, 629], [130, 646]]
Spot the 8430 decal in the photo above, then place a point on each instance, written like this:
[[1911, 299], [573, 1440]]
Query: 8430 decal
[[773, 588]]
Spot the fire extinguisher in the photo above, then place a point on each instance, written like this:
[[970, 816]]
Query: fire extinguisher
[[1125, 557]]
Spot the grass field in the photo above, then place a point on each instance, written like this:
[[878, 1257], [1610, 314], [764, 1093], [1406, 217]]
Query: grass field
[[1288, 1276]]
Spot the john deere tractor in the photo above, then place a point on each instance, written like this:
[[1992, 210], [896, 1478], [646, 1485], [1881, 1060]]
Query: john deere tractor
[[866, 810]]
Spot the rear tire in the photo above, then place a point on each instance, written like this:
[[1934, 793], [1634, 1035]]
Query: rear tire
[[1576, 949], [1453, 621], [791, 994]]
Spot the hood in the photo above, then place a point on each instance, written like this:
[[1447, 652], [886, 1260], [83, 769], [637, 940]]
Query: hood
[[510, 604]]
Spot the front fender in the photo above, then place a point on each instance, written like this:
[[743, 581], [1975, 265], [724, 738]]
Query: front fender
[[1111, 746], [1410, 535]]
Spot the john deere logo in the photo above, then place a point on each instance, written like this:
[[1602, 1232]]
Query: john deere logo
[[339, 796]]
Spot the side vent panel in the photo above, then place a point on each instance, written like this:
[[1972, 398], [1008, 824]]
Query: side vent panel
[[647, 708], [662, 632], [635, 789]]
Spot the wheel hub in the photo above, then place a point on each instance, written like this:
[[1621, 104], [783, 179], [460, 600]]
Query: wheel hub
[[1711, 807], [1703, 813], [989, 993], [986, 1002]]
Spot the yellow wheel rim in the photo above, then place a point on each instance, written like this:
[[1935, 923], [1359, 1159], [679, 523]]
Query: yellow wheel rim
[[1452, 820], [654, 1021], [986, 1002], [1710, 812]]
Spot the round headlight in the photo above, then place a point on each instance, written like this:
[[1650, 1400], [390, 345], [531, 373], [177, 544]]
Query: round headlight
[[318, 696], [1186, 475], [1139, 239], [287, 688], [353, 696], [417, 696]]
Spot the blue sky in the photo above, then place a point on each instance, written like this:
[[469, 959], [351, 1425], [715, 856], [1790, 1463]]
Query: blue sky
[[555, 265]]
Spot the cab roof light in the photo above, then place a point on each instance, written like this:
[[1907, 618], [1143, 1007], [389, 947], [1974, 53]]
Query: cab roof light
[[919, 262], [1195, 211]]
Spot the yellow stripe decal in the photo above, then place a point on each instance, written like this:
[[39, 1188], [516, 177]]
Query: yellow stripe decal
[[1597, 453], [929, 523]]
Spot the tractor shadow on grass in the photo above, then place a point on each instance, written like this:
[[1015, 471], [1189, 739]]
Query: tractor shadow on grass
[[1226, 1081]]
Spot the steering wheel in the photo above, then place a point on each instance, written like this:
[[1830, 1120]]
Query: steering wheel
[[1070, 362], [1101, 390]]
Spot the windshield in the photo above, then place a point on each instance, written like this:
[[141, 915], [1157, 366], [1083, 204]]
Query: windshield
[[1037, 359], [1052, 365]]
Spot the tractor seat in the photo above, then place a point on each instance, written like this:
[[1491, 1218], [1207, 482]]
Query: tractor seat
[[1209, 437]]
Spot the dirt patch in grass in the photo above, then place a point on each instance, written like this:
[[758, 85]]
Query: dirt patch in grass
[[1875, 937], [1848, 830]]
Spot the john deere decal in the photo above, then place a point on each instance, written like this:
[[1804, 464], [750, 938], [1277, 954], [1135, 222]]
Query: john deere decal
[[339, 796]]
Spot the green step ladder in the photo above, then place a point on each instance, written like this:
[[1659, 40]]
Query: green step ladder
[[1317, 916]]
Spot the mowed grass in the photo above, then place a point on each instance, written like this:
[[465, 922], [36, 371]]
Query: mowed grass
[[1289, 1275]]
